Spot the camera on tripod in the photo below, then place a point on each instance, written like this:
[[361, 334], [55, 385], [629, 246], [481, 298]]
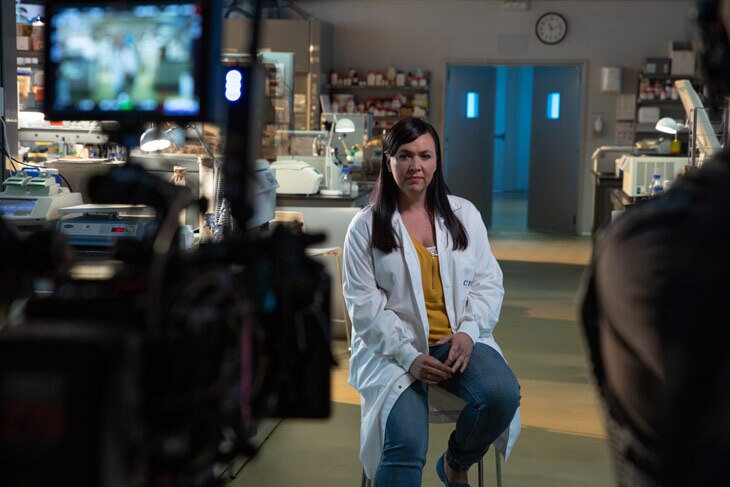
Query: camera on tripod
[[152, 366]]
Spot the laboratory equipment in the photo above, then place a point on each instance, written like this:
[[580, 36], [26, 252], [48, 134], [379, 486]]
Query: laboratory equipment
[[332, 166], [265, 189], [656, 187], [363, 123], [31, 202], [639, 171], [604, 158], [702, 132], [346, 182], [296, 177], [101, 226]]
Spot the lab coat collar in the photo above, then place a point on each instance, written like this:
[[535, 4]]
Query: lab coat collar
[[455, 206], [442, 235]]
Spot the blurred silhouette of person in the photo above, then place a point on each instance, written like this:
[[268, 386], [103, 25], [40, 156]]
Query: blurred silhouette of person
[[126, 64], [655, 313]]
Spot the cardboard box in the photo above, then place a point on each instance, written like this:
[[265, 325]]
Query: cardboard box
[[22, 43], [648, 115], [657, 65], [683, 58]]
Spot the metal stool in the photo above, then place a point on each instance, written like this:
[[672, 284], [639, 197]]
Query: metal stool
[[366, 482]]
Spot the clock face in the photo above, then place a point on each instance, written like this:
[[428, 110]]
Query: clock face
[[551, 28]]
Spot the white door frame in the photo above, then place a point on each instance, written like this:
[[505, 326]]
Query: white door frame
[[583, 169]]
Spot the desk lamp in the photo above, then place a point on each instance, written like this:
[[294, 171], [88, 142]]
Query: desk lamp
[[345, 126], [342, 126], [155, 139], [668, 125]]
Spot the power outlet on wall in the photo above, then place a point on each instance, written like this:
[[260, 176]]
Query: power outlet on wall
[[516, 5]]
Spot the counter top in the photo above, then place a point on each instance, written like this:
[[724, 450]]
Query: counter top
[[358, 200], [162, 161], [605, 175], [621, 200]]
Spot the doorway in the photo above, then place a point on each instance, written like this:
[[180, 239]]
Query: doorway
[[512, 143]]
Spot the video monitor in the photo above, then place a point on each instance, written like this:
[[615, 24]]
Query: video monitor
[[133, 60]]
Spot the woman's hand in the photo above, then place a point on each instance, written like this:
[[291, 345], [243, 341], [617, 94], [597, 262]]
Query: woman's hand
[[429, 370], [461, 347]]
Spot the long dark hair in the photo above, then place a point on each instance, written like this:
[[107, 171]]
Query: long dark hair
[[385, 195], [715, 51]]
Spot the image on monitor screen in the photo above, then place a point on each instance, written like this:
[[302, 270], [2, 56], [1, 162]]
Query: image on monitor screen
[[106, 60]]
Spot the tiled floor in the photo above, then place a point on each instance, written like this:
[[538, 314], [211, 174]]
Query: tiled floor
[[509, 211], [562, 443]]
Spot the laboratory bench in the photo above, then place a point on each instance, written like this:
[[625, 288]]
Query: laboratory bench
[[324, 201], [611, 201], [602, 203], [622, 201]]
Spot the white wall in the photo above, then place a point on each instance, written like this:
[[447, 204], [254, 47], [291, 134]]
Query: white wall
[[410, 34]]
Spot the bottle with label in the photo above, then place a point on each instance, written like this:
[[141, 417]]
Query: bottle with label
[[676, 147], [346, 182], [371, 78], [655, 186]]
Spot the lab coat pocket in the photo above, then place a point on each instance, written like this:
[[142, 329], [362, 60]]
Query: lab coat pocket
[[389, 270], [465, 271]]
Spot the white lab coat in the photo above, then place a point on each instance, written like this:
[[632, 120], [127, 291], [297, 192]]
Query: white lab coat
[[385, 302]]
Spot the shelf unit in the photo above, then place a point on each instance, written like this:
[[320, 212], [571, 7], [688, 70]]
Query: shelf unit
[[30, 64], [668, 107], [62, 134], [38, 55], [390, 88], [366, 93]]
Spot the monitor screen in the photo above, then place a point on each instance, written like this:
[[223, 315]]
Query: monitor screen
[[145, 60], [17, 207]]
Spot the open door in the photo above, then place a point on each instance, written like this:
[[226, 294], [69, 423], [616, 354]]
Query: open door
[[555, 149], [469, 134]]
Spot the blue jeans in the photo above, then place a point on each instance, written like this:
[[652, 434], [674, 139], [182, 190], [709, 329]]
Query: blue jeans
[[492, 395]]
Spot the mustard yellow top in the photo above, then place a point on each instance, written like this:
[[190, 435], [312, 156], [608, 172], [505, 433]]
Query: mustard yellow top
[[433, 292]]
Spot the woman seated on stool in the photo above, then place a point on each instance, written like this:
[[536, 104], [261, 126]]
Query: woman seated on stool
[[424, 292]]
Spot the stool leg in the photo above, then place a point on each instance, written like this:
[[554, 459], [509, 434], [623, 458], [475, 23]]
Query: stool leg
[[365, 482], [481, 472], [498, 465], [345, 316]]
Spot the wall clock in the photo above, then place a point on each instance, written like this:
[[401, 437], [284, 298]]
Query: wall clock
[[551, 28]]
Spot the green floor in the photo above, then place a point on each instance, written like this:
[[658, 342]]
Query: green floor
[[542, 341]]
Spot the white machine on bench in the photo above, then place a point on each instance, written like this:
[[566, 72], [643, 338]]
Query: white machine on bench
[[100, 227], [296, 177], [31, 203]]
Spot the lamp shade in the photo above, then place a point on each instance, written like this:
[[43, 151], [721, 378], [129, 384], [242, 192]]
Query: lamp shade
[[153, 139], [344, 126], [176, 135], [668, 125]]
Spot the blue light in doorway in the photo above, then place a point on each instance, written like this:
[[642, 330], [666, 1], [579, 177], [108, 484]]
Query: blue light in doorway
[[553, 106], [472, 104]]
